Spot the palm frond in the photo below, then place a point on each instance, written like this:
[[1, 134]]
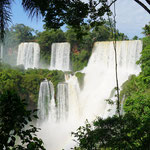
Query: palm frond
[[5, 16], [34, 7]]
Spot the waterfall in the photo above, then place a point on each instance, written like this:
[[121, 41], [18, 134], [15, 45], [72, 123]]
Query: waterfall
[[73, 96], [100, 75], [60, 56], [56, 134], [28, 55], [74, 106], [46, 102], [62, 101], [1, 52]]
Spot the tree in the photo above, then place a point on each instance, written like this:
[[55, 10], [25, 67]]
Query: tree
[[13, 124], [101, 33], [135, 37], [16, 34], [46, 38], [56, 13], [145, 61], [114, 133], [146, 30], [13, 37], [22, 33], [142, 4]]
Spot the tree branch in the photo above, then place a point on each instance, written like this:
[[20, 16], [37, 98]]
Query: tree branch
[[144, 6], [148, 1], [112, 3]]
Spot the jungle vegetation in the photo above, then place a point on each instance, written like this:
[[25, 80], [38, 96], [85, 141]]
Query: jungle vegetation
[[130, 131], [26, 82]]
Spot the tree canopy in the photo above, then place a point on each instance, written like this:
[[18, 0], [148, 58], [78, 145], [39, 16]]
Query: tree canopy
[[146, 30], [14, 118], [56, 13]]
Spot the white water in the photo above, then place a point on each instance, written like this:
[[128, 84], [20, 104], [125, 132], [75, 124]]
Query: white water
[[1, 52], [60, 56], [62, 101], [100, 75], [99, 83], [46, 102], [56, 133], [28, 55]]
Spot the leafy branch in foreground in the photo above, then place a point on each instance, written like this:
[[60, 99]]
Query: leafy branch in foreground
[[114, 133], [15, 131]]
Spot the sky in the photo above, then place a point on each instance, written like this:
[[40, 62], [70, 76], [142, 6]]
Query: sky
[[130, 17]]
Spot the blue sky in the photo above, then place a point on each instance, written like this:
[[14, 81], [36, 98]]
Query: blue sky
[[19, 16], [130, 17]]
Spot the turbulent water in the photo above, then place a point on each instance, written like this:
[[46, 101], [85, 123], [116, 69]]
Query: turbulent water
[[99, 83], [60, 56], [28, 55]]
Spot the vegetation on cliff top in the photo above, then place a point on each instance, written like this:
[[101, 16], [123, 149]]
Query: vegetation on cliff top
[[27, 82]]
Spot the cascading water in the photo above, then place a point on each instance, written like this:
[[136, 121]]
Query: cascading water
[[60, 56], [56, 134], [62, 101], [1, 52], [46, 102], [100, 75], [28, 55], [99, 83], [73, 97]]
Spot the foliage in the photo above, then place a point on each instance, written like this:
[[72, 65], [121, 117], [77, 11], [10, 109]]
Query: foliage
[[135, 38], [113, 133], [79, 60], [13, 124], [101, 33], [57, 13], [22, 33], [131, 131], [46, 38], [18, 33], [146, 41], [27, 82], [146, 30], [5, 17], [80, 77], [128, 87], [145, 61], [14, 36]]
